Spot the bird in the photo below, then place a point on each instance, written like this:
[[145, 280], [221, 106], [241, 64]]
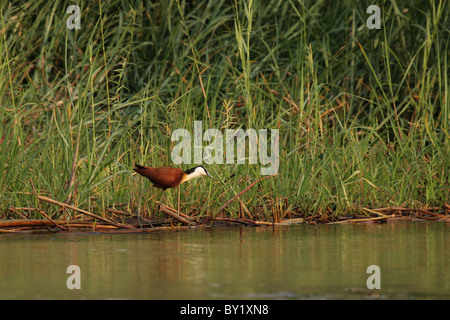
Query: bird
[[169, 177]]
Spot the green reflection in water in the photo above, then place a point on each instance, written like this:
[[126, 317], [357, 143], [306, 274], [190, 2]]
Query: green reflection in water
[[297, 262]]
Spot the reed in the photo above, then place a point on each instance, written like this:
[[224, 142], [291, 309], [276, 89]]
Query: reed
[[363, 115]]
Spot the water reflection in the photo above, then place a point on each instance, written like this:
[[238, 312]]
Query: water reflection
[[297, 262]]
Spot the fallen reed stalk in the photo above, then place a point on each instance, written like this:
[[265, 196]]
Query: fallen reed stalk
[[174, 215], [119, 225], [363, 219], [242, 192]]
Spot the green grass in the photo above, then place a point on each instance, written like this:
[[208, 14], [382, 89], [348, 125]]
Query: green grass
[[363, 115]]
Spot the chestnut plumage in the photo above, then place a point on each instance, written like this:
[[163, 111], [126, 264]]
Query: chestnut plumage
[[168, 177]]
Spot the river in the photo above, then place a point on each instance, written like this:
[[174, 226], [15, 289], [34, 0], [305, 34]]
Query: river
[[294, 262]]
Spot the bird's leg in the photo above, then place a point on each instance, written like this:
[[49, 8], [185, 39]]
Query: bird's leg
[[179, 199], [139, 209], [160, 201]]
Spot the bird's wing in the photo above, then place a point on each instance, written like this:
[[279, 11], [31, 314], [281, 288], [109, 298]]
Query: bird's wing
[[166, 177]]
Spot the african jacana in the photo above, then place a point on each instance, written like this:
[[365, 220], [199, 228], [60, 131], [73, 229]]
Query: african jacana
[[168, 177]]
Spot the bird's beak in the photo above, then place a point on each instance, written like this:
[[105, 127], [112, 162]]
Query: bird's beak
[[207, 173]]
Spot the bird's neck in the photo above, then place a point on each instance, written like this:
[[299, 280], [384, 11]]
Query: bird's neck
[[189, 176]]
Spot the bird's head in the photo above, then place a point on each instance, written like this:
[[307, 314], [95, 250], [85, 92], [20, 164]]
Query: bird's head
[[197, 172]]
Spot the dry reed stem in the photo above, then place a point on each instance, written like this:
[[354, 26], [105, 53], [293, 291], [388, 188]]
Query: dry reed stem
[[363, 219], [242, 192], [174, 215], [84, 212]]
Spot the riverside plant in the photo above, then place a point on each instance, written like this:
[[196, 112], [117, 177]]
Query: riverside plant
[[362, 114]]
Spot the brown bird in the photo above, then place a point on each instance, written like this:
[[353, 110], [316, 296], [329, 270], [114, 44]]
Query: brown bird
[[168, 177]]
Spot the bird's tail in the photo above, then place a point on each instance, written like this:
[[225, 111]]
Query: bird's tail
[[138, 167]]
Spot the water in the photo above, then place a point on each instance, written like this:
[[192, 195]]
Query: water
[[296, 262]]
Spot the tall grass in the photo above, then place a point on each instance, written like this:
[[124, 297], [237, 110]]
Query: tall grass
[[363, 115]]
